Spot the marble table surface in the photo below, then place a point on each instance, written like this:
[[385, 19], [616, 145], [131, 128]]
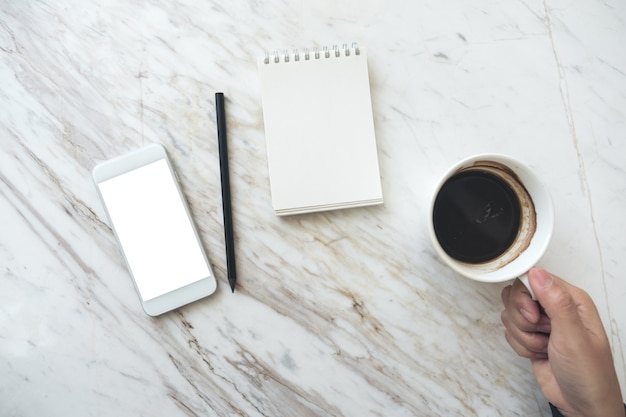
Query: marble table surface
[[343, 313]]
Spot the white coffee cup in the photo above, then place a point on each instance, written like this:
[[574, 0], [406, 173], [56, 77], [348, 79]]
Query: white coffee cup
[[536, 225]]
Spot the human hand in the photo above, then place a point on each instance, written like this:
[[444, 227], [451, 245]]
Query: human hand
[[566, 344]]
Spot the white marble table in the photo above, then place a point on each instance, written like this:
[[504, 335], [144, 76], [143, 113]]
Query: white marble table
[[345, 313]]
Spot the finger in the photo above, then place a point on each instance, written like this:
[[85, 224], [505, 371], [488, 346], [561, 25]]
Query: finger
[[522, 349], [521, 298], [585, 307], [544, 325], [555, 295], [506, 291], [520, 309], [533, 342], [512, 318]]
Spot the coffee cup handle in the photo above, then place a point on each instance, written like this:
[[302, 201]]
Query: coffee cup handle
[[524, 279]]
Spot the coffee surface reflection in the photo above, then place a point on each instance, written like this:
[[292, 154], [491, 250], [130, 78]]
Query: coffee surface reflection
[[476, 216]]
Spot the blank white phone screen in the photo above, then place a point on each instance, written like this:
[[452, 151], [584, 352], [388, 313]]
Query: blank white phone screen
[[154, 230]]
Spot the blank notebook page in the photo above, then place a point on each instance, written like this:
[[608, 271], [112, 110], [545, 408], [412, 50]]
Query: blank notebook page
[[319, 131]]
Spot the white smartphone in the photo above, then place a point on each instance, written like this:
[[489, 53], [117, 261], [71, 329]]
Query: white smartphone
[[150, 218]]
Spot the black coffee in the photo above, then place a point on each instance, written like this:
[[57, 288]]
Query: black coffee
[[476, 216]]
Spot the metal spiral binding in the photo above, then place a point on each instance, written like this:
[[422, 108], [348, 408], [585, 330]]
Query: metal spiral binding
[[315, 54]]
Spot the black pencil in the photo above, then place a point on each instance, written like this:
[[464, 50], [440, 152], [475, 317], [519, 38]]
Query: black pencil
[[231, 269]]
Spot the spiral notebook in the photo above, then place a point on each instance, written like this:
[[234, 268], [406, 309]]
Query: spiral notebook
[[319, 130]]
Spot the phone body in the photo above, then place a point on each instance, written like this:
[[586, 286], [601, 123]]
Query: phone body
[[152, 223]]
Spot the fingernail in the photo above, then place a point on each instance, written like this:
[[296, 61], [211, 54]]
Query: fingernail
[[542, 277], [526, 314]]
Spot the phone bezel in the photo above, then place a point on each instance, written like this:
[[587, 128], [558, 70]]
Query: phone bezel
[[129, 162]]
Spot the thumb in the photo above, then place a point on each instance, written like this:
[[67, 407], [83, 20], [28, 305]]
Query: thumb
[[556, 298]]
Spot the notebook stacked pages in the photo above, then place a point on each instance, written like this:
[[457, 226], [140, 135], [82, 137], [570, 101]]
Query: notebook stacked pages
[[319, 130]]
